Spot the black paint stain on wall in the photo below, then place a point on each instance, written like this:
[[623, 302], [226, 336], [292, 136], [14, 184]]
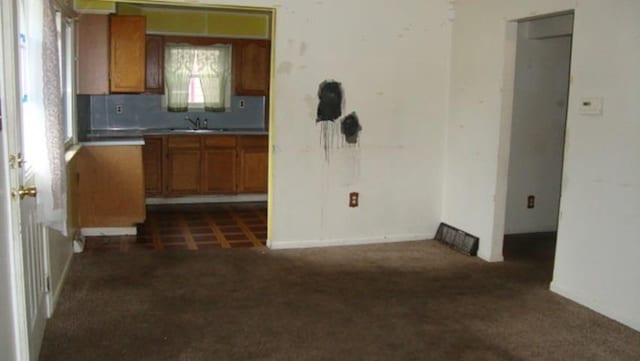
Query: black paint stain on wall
[[331, 100], [350, 128], [330, 108]]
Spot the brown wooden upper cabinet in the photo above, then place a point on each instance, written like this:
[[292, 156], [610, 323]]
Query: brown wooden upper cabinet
[[154, 82], [127, 54], [93, 54], [251, 67]]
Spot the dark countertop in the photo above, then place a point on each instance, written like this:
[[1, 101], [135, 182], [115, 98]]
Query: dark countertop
[[115, 134]]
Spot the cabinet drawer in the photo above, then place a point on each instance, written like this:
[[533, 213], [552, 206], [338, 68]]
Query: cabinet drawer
[[220, 141], [183, 142], [254, 140]]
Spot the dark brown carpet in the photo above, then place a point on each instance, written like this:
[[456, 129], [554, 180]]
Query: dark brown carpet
[[410, 301]]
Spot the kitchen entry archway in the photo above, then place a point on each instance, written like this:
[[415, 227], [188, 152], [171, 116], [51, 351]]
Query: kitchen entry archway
[[269, 101]]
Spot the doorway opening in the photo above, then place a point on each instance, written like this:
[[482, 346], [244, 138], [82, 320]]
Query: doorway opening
[[538, 123], [193, 153]]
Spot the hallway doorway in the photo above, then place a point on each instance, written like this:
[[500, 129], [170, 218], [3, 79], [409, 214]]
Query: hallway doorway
[[540, 101]]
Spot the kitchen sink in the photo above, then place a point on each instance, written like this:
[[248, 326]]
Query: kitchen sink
[[189, 131]]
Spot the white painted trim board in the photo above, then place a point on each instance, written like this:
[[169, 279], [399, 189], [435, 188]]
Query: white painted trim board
[[315, 243], [208, 199], [109, 231], [58, 290]]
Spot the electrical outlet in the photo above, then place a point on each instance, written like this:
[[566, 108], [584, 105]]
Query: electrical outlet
[[119, 108], [353, 199], [241, 104], [531, 202]]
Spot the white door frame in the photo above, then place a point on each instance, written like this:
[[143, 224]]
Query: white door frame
[[504, 141], [10, 134]]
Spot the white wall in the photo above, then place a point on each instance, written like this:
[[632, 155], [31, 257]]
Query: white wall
[[393, 64], [598, 235], [537, 129]]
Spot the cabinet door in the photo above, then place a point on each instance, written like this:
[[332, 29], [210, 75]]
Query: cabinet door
[[253, 170], [127, 54], [219, 174], [251, 67], [154, 69], [152, 164], [93, 54], [183, 171], [110, 186], [184, 167]]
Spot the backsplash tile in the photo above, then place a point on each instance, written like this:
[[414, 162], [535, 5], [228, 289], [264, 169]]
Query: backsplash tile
[[143, 111]]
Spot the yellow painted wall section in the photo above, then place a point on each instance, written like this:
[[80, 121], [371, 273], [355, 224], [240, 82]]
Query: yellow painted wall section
[[95, 5], [187, 22], [207, 23], [125, 9], [237, 25]]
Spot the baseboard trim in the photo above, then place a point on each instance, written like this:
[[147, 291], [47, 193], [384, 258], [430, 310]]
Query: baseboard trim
[[490, 259], [208, 199], [109, 231], [58, 290], [595, 306], [347, 242]]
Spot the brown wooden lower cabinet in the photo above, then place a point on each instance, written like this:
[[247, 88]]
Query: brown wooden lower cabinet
[[209, 164], [219, 174], [183, 172], [152, 161], [184, 165], [110, 186], [253, 164]]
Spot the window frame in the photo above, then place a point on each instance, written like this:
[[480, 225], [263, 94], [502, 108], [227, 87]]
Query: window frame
[[204, 41], [66, 56]]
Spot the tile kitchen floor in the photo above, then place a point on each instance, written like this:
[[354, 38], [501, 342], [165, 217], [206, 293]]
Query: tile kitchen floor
[[192, 227]]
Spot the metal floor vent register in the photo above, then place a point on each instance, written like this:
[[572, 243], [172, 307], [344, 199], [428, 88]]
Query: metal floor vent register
[[457, 239]]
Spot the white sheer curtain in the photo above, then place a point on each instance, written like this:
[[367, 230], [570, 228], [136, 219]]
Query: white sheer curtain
[[213, 68], [178, 64], [210, 64], [43, 132]]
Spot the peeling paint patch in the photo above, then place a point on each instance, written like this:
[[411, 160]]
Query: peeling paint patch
[[330, 107], [350, 128], [285, 68], [331, 99]]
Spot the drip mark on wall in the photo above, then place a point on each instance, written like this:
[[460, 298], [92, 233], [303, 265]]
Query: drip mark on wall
[[329, 137], [330, 96]]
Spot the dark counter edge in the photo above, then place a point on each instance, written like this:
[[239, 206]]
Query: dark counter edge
[[114, 135]]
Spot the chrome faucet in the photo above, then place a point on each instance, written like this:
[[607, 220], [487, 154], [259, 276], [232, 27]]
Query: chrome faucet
[[195, 125]]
